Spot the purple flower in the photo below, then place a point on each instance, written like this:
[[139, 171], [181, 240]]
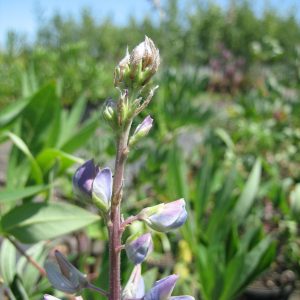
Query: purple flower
[[141, 130], [162, 290], [83, 179], [135, 287], [138, 249], [64, 276], [165, 217], [102, 189], [90, 182]]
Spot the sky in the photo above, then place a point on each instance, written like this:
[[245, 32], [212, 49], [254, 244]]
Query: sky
[[21, 15]]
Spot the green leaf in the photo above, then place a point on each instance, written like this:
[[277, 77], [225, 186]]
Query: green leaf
[[34, 222], [36, 171], [47, 158], [15, 194], [39, 117], [18, 289], [7, 261], [251, 263], [176, 176], [225, 137], [80, 137], [27, 271], [72, 120], [247, 197], [11, 112], [204, 184]]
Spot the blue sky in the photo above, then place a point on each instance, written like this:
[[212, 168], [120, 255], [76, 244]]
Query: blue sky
[[21, 15]]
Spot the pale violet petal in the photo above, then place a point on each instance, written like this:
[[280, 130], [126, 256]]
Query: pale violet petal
[[102, 185], [162, 289]]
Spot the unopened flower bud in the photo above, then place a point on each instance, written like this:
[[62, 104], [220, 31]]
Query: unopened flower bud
[[141, 130], [64, 276], [137, 249], [135, 287], [144, 60], [109, 112], [162, 290], [102, 189], [165, 217], [83, 180], [91, 183], [122, 70], [139, 66]]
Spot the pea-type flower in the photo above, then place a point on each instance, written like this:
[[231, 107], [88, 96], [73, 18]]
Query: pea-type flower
[[102, 189], [64, 276], [90, 182], [141, 130], [83, 179], [162, 290], [137, 249], [165, 217], [135, 287]]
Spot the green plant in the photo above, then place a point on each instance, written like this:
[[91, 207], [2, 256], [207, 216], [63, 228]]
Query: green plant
[[231, 249]]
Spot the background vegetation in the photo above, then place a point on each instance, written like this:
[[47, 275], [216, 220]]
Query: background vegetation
[[226, 137]]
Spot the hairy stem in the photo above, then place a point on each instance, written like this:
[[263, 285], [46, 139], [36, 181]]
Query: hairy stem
[[115, 216]]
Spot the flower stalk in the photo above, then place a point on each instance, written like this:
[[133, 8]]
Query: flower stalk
[[114, 225], [104, 189]]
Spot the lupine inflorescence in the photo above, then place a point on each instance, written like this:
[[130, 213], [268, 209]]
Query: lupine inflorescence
[[104, 189]]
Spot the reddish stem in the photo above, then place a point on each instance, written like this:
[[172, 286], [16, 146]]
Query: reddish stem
[[114, 225], [28, 257]]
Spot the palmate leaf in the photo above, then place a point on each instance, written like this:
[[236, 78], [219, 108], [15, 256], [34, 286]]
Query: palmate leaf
[[34, 222]]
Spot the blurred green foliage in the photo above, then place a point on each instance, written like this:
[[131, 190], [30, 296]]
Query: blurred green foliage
[[226, 137], [80, 52]]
